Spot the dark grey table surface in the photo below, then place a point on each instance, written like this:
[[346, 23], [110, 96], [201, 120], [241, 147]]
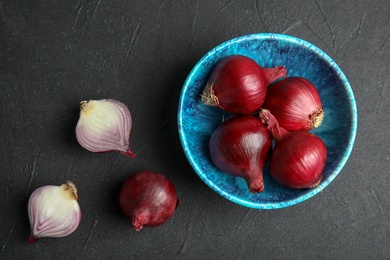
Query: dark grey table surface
[[53, 54]]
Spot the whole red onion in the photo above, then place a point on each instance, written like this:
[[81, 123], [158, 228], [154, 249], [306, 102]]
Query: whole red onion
[[148, 199], [240, 146], [298, 159], [295, 103], [238, 84]]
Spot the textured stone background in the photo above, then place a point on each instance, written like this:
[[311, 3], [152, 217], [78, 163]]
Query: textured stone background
[[53, 54]]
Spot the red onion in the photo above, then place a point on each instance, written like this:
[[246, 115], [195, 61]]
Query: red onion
[[104, 125], [295, 103], [298, 159], [240, 146], [239, 85], [53, 211], [148, 199]]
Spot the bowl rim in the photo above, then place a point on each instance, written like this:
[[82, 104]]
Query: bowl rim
[[352, 132]]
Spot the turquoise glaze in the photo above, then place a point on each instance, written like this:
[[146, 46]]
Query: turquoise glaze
[[196, 121]]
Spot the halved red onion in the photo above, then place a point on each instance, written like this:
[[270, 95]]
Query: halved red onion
[[53, 211], [104, 126]]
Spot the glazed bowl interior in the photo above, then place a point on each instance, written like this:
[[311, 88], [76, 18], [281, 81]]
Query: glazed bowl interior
[[197, 121]]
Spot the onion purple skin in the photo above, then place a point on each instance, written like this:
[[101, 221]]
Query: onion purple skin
[[148, 199], [298, 160], [238, 85], [295, 103], [240, 147]]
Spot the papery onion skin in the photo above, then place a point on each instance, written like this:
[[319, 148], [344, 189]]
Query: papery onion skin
[[240, 147], [298, 159], [53, 211], [148, 199], [104, 125], [295, 103], [238, 85]]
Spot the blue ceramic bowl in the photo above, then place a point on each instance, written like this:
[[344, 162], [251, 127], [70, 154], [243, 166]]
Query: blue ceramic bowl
[[196, 121]]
